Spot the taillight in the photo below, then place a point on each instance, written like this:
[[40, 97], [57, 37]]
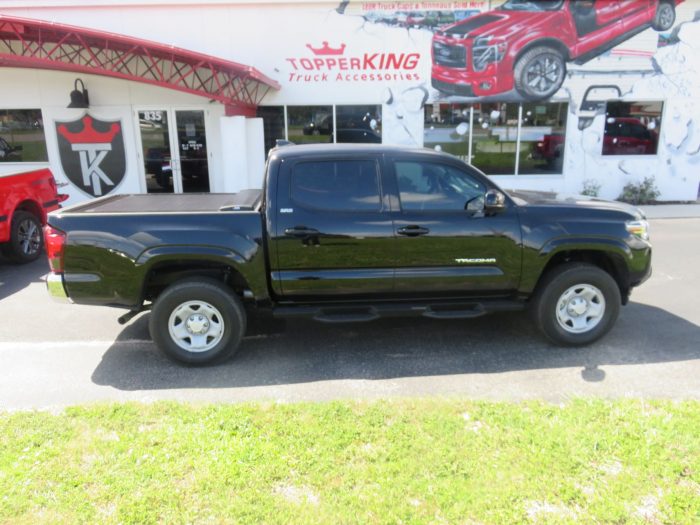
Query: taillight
[[54, 241]]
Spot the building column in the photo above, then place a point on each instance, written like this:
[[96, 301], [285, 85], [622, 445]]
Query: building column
[[243, 153]]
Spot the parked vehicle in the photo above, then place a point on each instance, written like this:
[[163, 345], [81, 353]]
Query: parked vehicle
[[25, 199], [347, 233], [9, 153], [550, 149], [525, 45], [628, 136]]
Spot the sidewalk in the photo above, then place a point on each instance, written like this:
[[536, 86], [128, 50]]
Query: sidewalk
[[672, 211]]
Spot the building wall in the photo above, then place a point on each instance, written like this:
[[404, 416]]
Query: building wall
[[280, 38]]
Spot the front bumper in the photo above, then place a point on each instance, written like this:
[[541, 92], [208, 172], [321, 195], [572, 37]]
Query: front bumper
[[56, 288]]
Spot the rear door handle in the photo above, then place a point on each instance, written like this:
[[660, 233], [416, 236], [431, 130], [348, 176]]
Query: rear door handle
[[300, 231], [413, 231]]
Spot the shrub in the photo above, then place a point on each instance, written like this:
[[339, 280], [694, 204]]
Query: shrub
[[644, 192], [591, 188]]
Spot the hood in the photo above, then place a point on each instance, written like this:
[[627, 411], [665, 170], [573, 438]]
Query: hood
[[500, 24], [542, 198]]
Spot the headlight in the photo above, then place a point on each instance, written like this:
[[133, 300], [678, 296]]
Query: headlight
[[638, 228], [487, 50]]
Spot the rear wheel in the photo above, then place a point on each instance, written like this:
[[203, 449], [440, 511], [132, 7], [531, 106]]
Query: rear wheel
[[665, 16], [26, 239], [539, 73], [198, 322], [576, 304]]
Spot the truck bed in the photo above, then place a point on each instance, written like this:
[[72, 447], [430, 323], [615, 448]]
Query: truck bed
[[246, 200]]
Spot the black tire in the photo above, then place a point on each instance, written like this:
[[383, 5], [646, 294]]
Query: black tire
[[665, 16], [529, 68], [579, 277], [222, 307], [26, 238]]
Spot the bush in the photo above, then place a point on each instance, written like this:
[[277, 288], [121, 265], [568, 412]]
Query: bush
[[591, 188], [644, 192]]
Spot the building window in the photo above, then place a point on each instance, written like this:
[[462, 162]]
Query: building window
[[22, 136], [273, 124], [447, 129], [632, 128], [358, 124], [542, 138], [495, 137], [309, 124], [349, 185]]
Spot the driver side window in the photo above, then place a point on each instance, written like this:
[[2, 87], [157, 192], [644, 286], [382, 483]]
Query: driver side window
[[429, 186]]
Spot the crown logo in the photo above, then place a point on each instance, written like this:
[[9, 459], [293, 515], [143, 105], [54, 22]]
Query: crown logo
[[325, 49], [89, 135]]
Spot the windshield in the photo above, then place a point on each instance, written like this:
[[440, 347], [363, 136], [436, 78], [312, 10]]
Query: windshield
[[532, 5]]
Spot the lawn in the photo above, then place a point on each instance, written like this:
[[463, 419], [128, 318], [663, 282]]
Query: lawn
[[404, 461]]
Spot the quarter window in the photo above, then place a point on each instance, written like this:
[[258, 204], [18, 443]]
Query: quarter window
[[346, 185], [425, 186]]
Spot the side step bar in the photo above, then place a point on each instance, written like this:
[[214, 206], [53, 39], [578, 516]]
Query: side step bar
[[344, 313]]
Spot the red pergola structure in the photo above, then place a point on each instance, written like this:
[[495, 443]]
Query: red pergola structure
[[46, 45]]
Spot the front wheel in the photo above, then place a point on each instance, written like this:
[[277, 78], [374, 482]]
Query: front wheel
[[665, 16], [539, 73], [576, 304], [198, 322]]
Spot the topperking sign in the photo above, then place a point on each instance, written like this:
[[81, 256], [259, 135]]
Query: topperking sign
[[326, 63], [92, 154]]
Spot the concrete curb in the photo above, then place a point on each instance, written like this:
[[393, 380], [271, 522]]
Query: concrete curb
[[672, 211]]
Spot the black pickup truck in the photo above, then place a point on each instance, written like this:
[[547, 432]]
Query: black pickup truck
[[344, 233]]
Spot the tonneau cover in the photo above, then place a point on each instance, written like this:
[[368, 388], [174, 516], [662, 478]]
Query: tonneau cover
[[245, 200]]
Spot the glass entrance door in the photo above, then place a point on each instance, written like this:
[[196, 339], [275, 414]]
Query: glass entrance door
[[192, 151], [155, 147], [174, 151]]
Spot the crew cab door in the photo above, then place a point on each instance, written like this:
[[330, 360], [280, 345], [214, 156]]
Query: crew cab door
[[598, 22], [443, 248], [332, 235]]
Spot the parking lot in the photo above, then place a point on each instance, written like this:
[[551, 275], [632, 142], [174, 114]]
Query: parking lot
[[53, 355]]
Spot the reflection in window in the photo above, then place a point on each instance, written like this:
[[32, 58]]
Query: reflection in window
[[348, 185], [447, 129], [273, 124], [494, 138], [542, 138], [310, 124], [359, 124], [433, 186], [22, 136], [632, 128]]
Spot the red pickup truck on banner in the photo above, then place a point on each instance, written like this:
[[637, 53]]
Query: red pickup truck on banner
[[524, 46]]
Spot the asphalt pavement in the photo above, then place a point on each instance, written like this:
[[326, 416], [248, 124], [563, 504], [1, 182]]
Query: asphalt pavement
[[54, 355]]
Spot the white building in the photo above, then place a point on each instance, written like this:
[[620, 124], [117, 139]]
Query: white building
[[188, 97]]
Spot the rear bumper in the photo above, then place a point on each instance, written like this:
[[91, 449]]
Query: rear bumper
[[56, 288]]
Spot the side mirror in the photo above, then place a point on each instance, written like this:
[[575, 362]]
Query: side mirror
[[494, 202]]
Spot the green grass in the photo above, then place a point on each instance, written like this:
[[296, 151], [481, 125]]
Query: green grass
[[412, 461]]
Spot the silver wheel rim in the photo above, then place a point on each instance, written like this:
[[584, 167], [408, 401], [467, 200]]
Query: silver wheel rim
[[580, 309], [196, 326], [666, 16], [544, 74], [29, 237]]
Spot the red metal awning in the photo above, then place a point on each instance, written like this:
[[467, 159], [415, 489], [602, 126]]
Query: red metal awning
[[47, 45]]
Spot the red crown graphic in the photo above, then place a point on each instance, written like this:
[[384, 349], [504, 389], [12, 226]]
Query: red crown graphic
[[89, 135], [325, 49]]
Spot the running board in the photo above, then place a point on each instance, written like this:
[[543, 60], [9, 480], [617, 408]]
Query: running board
[[354, 313]]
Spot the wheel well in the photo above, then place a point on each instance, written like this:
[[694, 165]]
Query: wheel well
[[163, 275], [545, 42], [30, 207], [611, 263]]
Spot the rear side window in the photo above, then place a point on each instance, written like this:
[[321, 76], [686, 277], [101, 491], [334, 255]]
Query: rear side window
[[343, 185]]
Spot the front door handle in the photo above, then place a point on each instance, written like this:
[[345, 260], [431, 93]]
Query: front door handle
[[301, 231], [413, 231]]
